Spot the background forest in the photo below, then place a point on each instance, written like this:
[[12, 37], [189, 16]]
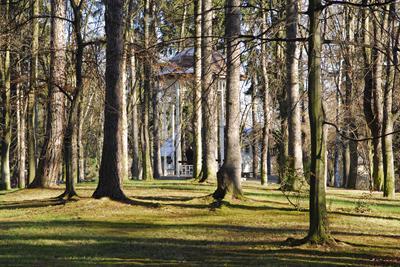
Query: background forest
[[300, 97]]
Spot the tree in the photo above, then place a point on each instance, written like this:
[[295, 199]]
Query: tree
[[51, 154], [146, 158], [111, 169], [75, 97], [350, 151], [6, 103], [295, 154], [229, 175], [265, 90], [131, 64], [197, 92], [31, 96], [373, 97], [390, 86], [208, 96], [318, 230]]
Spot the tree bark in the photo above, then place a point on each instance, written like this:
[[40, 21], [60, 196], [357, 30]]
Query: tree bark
[[31, 125], [111, 169], [265, 90], [373, 96], [390, 86], [71, 132], [21, 147], [318, 232], [131, 60], [197, 123], [5, 182], [146, 146], [255, 126], [157, 168], [51, 154], [295, 180], [208, 97], [79, 142], [350, 150], [229, 175]]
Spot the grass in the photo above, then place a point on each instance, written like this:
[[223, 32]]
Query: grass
[[36, 230]]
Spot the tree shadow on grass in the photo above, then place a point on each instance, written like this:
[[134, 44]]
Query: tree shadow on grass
[[34, 203], [163, 198], [109, 248]]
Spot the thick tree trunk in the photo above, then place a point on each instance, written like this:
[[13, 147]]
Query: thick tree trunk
[[111, 169], [197, 92], [31, 125], [229, 175], [146, 145], [209, 97], [318, 231], [51, 154], [295, 176], [265, 129], [5, 182]]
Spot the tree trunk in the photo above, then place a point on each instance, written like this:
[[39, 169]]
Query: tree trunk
[[146, 146], [265, 129], [71, 132], [318, 231], [31, 125], [197, 92], [350, 150], [373, 96], [135, 167], [390, 86], [255, 126], [111, 169], [183, 28], [5, 182], [209, 97], [229, 175], [157, 168], [124, 110], [51, 154], [21, 148], [295, 179], [79, 142]]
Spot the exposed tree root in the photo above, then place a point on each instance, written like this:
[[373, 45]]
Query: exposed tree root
[[313, 240]]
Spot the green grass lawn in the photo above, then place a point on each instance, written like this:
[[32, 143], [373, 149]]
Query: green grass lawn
[[36, 230]]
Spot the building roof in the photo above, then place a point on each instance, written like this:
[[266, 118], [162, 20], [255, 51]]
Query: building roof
[[183, 64]]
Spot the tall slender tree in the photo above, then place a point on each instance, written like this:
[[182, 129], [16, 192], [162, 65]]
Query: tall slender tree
[[295, 154], [146, 146], [31, 125], [208, 96], [390, 86], [197, 123], [6, 104], [265, 99], [318, 229]]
